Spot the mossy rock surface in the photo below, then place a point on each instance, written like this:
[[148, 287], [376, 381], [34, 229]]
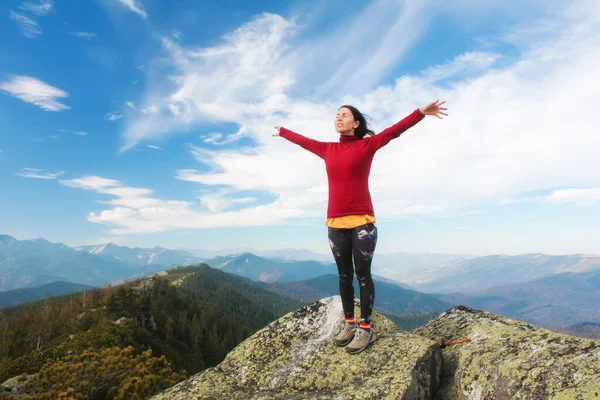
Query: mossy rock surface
[[294, 358], [509, 359]]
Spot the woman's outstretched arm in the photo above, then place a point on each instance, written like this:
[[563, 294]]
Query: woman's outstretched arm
[[314, 146], [381, 139]]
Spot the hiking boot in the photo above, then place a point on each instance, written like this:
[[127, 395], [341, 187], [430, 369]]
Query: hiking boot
[[345, 335], [361, 340]]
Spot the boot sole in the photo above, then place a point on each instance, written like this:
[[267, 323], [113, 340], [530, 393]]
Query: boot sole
[[356, 351], [342, 344]]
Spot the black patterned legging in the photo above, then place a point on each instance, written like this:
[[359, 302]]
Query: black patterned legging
[[359, 243]]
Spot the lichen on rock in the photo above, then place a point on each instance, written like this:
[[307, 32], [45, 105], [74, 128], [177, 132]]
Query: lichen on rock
[[295, 358], [509, 359]]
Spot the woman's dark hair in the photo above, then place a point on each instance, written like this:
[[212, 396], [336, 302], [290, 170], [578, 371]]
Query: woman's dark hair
[[363, 126]]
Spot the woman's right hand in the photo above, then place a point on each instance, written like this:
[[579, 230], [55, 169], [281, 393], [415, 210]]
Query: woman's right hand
[[277, 128]]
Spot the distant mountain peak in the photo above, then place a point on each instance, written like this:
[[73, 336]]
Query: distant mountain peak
[[7, 239]]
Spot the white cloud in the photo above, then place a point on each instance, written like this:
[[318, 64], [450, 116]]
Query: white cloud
[[576, 196], [472, 62], [38, 174], [43, 139], [513, 126], [34, 91], [244, 74], [585, 196], [92, 183], [78, 133], [218, 139], [112, 116], [43, 8], [28, 26], [219, 201], [130, 104], [153, 147], [134, 6], [134, 211], [84, 35], [364, 48], [150, 109]]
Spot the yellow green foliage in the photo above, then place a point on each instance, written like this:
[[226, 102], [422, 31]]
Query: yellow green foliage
[[112, 373]]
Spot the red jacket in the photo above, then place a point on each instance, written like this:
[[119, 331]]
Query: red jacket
[[348, 165]]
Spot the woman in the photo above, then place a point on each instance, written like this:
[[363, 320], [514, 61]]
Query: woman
[[351, 221]]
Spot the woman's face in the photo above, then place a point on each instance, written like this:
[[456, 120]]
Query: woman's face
[[344, 122]]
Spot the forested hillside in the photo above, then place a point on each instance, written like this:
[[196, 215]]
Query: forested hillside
[[113, 337]]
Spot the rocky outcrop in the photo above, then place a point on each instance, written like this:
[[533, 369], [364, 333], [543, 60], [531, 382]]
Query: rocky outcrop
[[294, 358], [462, 354], [14, 384], [509, 359]]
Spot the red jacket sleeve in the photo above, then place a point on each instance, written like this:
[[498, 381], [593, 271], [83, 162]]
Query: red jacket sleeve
[[314, 146], [381, 139]]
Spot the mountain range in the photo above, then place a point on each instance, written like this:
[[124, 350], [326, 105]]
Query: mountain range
[[29, 263], [482, 273], [23, 295], [546, 290], [556, 301], [139, 256]]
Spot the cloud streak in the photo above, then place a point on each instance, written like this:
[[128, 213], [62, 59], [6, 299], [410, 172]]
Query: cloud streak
[[134, 6], [26, 21], [28, 26], [34, 91], [84, 35], [113, 116], [35, 173], [43, 8]]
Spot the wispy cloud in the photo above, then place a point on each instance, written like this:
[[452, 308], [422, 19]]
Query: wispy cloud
[[130, 104], [28, 26], [34, 91], [78, 133], [244, 74], [43, 139], [579, 196], [136, 211], [134, 6], [365, 48], [84, 35], [38, 174], [468, 63], [40, 9], [150, 109], [113, 116], [513, 126], [218, 138], [154, 147]]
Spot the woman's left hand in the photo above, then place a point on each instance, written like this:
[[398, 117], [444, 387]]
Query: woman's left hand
[[434, 108]]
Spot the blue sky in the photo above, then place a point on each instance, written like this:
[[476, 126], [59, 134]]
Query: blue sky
[[147, 122]]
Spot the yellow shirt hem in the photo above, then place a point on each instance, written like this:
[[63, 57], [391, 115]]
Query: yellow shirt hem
[[350, 221]]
